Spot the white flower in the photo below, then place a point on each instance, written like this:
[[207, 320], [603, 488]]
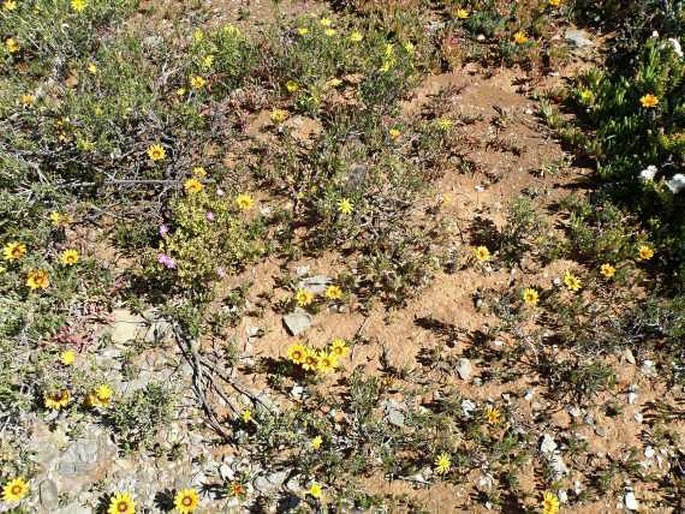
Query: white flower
[[677, 183], [648, 174], [655, 35], [676, 46]]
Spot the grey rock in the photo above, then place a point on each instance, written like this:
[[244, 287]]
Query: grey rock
[[467, 408], [393, 413], [650, 452], [297, 322], [315, 285], [72, 508], [548, 445], [630, 501], [464, 369], [279, 477], [86, 459], [558, 466], [628, 355], [578, 38], [648, 368], [302, 271], [47, 492], [601, 431]]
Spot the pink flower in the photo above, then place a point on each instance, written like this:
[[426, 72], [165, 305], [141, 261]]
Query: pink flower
[[209, 216], [163, 229], [167, 261]]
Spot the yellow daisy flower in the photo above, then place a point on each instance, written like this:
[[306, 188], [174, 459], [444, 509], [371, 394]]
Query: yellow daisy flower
[[520, 38], [15, 490], [199, 172], [315, 491], [493, 415], [38, 279], [67, 357], [14, 251], [197, 82], [311, 360], [339, 347], [327, 362], [12, 45], [186, 501], [101, 396], [304, 297], [356, 36], [607, 270], [443, 463], [92, 68], [330, 32], [572, 282], [644, 252], [303, 31], [79, 5], [292, 87], [156, 152], [481, 253], [208, 61], [57, 399], [649, 101], [244, 201], [316, 442], [394, 133], [462, 14], [246, 416], [69, 257], [345, 206], [550, 503], [279, 115], [297, 353], [333, 292], [192, 186], [121, 503], [530, 296], [325, 22], [9, 5], [27, 100]]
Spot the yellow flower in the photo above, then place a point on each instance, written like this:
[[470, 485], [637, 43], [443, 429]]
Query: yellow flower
[[339, 347], [192, 186], [644, 252], [156, 152], [555, 3], [121, 503], [208, 61], [27, 100], [445, 123], [101, 396], [327, 362], [279, 115], [387, 65], [315, 490], [12, 45], [345, 206], [334, 82], [443, 463], [92, 68], [586, 96], [38, 279], [181, 91], [14, 251], [197, 82], [330, 32], [462, 14], [493, 415], [9, 5], [481, 253], [571, 281], [304, 297], [520, 38], [246, 416], [316, 442], [356, 36], [292, 87], [56, 399], [409, 47], [297, 353], [530, 296], [199, 172], [244, 201], [198, 36], [79, 5], [394, 133], [311, 360], [69, 257], [67, 357], [550, 503], [649, 101], [325, 22], [607, 270], [333, 292], [303, 31], [186, 501], [15, 490], [59, 220]]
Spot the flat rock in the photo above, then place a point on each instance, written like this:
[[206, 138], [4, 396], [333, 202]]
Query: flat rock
[[579, 38], [464, 369], [548, 445], [47, 492], [297, 322], [315, 285]]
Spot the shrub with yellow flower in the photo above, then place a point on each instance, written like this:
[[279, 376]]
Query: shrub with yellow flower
[[192, 186], [67, 357], [462, 14], [156, 152], [345, 206], [555, 3], [303, 31], [9, 5], [12, 45], [246, 416], [69, 257], [315, 443], [315, 490], [14, 251], [79, 5], [279, 115], [186, 501], [197, 82], [207, 61], [38, 279], [92, 68], [607, 270], [443, 463], [56, 399], [15, 490], [121, 503], [356, 36]]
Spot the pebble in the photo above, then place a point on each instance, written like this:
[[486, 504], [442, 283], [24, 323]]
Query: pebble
[[630, 501], [464, 369], [297, 322], [648, 368]]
